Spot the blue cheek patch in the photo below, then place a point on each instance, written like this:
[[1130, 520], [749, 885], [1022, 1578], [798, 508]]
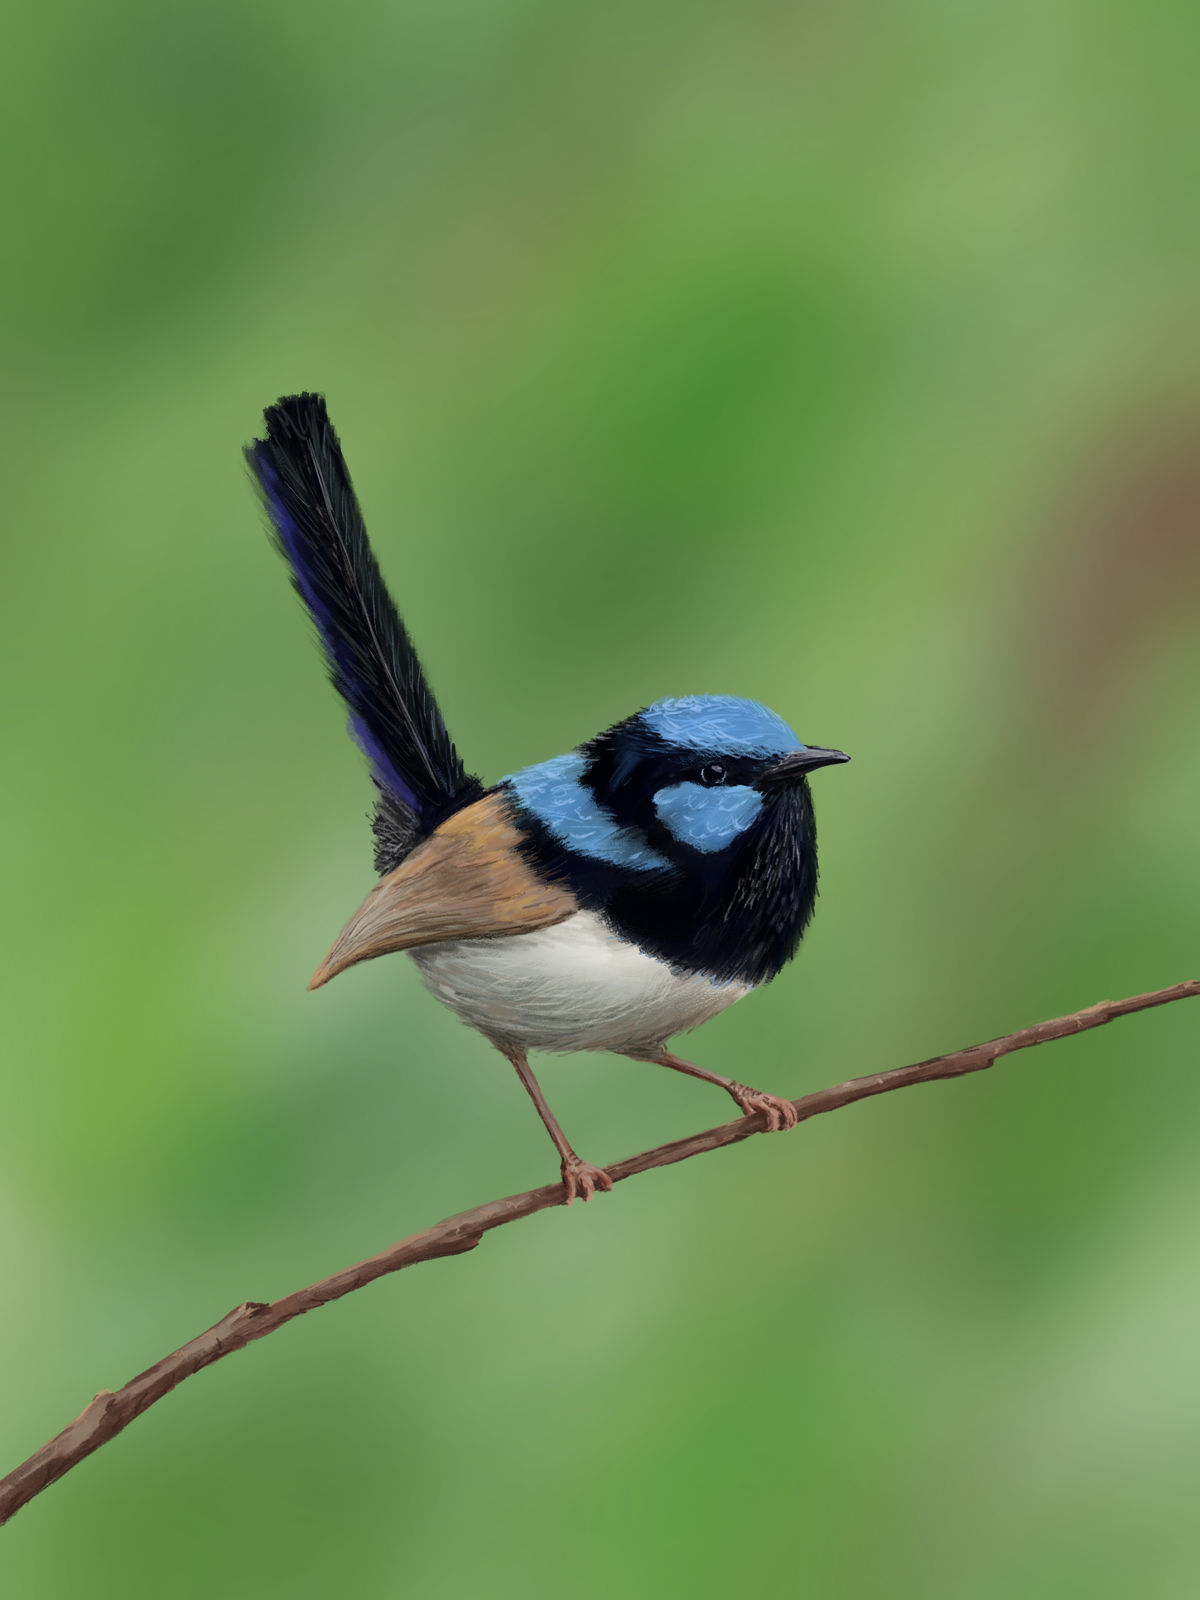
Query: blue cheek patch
[[569, 811], [707, 819]]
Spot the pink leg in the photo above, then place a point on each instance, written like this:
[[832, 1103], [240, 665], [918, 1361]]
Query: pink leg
[[779, 1113], [579, 1177]]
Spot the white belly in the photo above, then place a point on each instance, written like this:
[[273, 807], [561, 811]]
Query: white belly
[[576, 986]]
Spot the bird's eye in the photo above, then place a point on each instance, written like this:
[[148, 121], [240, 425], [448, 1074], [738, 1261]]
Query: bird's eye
[[712, 774]]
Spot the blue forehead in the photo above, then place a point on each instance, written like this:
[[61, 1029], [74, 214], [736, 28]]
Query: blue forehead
[[720, 723]]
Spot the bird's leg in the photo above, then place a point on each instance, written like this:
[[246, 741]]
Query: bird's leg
[[780, 1113], [579, 1177]]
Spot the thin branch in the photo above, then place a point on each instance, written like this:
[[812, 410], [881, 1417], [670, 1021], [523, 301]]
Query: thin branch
[[110, 1412]]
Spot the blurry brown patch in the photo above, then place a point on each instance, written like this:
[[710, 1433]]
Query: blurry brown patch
[[1125, 566]]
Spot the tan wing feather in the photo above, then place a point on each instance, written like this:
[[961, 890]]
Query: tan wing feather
[[468, 880]]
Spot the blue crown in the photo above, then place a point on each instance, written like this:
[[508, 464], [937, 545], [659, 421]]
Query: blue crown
[[722, 723]]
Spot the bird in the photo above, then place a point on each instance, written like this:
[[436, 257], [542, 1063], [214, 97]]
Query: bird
[[602, 900]]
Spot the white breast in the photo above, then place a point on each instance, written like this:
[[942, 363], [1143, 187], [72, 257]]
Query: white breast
[[576, 986]]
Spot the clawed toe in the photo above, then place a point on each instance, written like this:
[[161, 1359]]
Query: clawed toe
[[781, 1114], [582, 1178]]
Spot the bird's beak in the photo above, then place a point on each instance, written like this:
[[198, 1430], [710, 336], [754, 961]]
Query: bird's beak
[[797, 762]]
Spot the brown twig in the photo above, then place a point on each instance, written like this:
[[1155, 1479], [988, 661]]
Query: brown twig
[[110, 1411]]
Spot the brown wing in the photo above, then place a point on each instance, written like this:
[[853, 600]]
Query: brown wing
[[467, 881]]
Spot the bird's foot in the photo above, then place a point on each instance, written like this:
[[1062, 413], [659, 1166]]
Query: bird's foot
[[582, 1178], [781, 1114]]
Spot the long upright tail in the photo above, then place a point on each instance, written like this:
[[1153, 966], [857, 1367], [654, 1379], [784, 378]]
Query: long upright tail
[[394, 717]]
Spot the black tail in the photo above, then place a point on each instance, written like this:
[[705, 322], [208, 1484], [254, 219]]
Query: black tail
[[393, 716]]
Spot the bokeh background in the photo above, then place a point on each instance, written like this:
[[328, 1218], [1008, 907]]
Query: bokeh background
[[840, 356]]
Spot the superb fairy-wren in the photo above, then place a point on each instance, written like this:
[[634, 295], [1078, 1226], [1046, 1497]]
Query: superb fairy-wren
[[603, 900]]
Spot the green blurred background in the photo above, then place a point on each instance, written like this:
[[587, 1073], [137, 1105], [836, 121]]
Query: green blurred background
[[841, 356]]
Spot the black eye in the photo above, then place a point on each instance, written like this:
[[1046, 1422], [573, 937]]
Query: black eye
[[712, 774]]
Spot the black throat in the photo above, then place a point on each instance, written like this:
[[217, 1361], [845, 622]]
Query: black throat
[[737, 914]]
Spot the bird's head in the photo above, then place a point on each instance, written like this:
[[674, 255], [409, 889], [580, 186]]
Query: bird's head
[[695, 775], [690, 824]]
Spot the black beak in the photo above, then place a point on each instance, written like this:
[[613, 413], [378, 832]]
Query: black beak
[[797, 762]]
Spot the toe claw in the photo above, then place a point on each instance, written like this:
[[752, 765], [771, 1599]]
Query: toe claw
[[583, 1179], [779, 1114]]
